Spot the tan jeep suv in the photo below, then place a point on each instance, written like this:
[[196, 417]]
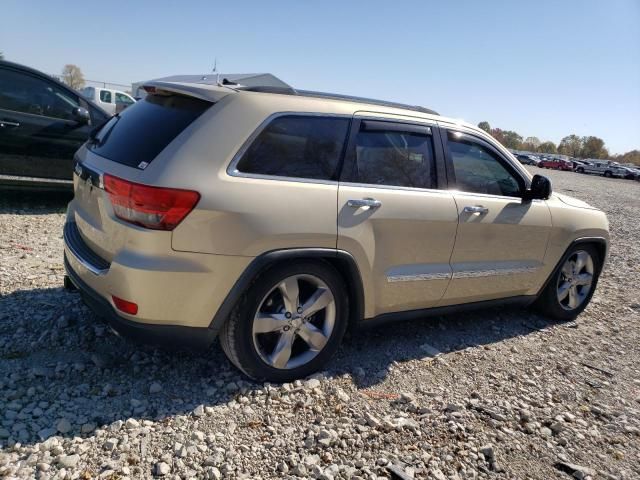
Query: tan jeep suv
[[275, 218]]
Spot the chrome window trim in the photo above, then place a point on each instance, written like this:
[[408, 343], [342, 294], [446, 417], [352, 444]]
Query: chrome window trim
[[232, 168], [394, 187], [490, 195]]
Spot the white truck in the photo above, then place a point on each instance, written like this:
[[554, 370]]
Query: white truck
[[113, 101]]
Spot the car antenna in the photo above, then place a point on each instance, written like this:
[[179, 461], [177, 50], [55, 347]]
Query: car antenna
[[215, 70]]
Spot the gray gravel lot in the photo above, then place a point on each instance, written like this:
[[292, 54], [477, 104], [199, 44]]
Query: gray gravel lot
[[493, 394]]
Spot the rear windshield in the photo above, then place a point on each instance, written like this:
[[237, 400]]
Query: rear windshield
[[138, 134]]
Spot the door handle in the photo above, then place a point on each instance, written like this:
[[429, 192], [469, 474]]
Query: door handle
[[364, 202], [7, 123], [475, 209]]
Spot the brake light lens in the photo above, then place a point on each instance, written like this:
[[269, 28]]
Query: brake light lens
[[157, 208], [124, 305]]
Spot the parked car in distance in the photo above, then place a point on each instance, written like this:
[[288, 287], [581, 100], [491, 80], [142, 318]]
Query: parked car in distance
[[631, 172], [42, 124], [274, 218], [577, 165], [112, 101], [556, 163], [528, 159], [606, 168]]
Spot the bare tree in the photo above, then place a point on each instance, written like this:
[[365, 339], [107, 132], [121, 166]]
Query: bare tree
[[72, 76]]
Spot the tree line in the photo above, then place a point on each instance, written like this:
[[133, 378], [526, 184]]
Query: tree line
[[572, 145]]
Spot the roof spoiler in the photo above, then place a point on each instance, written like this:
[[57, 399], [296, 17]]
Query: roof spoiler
[[210, 93]]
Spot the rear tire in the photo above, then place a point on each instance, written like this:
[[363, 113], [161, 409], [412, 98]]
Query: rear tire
[[607, 174], [580, 170], [270, 339], [571, 287]]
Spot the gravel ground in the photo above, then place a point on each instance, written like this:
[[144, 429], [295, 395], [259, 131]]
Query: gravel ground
[[493, 394]]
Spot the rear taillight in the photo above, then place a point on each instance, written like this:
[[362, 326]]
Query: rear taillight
[[157, 208]]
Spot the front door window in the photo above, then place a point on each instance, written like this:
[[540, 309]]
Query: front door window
[[477, 169]]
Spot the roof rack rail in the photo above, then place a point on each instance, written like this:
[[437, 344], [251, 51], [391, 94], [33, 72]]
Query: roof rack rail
[[372, 101], [337, 96], [269, 89]]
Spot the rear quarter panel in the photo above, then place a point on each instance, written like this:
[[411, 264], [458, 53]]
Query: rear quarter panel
[[241, 215]]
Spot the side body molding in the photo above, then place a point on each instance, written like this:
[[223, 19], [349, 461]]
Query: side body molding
[[356, 291]]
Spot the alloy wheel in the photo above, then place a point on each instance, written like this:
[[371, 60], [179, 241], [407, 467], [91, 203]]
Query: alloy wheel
[[294, 321], [575, 280]]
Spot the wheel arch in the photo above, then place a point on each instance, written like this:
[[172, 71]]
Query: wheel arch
[[599, 243], [342, 261]]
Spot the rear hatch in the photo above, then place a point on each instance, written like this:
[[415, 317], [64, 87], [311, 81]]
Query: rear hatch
[[115, 204]]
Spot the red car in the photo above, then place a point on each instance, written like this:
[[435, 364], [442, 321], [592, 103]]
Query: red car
[[556, 164]]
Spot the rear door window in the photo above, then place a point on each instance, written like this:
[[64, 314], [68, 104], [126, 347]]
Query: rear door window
[[105, 96], [298, 146], [394, 154], [137, 135]]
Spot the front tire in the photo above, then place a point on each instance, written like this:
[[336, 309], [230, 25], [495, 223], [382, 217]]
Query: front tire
[[289, 323], [571, 287]]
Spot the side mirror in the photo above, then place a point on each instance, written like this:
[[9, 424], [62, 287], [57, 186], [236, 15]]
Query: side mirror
[[81, 115], [540, 189]]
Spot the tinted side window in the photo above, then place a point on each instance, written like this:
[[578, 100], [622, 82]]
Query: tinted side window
[[297, 146], [478, 170], [24, 93], [395, 158], [105, 96]]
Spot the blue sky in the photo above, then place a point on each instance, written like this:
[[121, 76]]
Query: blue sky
[[544, 68]]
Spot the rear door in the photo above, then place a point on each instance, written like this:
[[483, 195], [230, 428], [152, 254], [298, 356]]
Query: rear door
[[38, 132], [501, 239], [391, 216]]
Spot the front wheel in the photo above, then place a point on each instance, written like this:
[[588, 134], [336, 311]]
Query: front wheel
[[288, 324], [570, 289], [580, 170]]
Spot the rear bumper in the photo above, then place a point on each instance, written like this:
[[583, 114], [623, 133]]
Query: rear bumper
[[170, 336], [173, 289]]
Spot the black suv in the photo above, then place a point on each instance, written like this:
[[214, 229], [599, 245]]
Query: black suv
[[42, 123]]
